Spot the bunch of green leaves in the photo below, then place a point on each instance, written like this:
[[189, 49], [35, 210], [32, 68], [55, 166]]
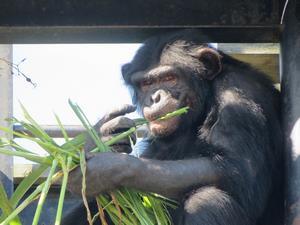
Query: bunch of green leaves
[[124, 206]]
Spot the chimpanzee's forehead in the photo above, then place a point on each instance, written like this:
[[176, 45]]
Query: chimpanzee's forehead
[[149, 56], [179, 52], [165, 49]]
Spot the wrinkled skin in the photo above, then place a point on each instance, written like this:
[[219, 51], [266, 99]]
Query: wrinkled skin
[[222, 160]]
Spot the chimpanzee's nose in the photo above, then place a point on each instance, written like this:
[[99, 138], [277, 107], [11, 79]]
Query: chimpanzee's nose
[[156, 97], [159, 97]]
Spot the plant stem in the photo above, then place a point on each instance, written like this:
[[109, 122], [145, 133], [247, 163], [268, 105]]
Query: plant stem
[[6, 207], [83, 188], [66, 170], [140, 122], [63, 130], [29, 156], [44, 193], [79, 113], [120, 136], [101, 212], [49, 147], [117, 138], [26, 183], [29, 199]]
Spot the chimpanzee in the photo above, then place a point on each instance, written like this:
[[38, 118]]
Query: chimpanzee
[[222, 160]]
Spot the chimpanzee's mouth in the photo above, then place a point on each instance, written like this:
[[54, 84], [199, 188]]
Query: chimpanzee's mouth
[[154, 115]]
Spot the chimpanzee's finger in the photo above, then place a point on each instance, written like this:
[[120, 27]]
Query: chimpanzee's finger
[[119, 112], [116, 125], [126, 140]]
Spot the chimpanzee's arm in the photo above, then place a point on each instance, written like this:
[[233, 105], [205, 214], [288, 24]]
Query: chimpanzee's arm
[[170, 178], [108, 171]]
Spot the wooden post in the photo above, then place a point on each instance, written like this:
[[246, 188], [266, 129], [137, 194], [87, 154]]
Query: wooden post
[[290, 46], [6, 104]]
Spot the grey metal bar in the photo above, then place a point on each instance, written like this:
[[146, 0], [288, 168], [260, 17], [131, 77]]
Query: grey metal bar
[[54, 131], [72, 130], [6, 104], [291, 109]]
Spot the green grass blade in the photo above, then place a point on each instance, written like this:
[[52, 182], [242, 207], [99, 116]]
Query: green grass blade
[[30, 199], [130, 202], [152, 211], [113, 212], [44, 193], [26, 183], [56, 149], [77, 142], [66, 170], [63, 130], [91, 131], [29, 156], [21, 135], [50, 147], [140, 121], [177, 112], [36, 125], [22, 206], [121, 136], [17, 147], [34, 132], [6, 206], [159, 211]]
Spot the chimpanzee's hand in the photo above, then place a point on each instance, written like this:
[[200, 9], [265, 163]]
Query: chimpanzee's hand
[[104, 172], [113, 124]]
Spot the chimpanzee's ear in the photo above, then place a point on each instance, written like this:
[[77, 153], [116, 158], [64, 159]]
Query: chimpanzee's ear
[[125, 70], [211, 60]]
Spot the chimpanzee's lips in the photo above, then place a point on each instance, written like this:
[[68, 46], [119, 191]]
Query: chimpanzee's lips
[[154, 116], [156, 111]]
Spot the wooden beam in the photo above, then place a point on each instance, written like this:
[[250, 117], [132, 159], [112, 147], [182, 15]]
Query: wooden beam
[[94, 21], [150, 13]]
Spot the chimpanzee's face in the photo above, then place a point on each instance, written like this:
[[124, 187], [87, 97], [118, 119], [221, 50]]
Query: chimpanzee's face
[[161, 90], [178, 77]]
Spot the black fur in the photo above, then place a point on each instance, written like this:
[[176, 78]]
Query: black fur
[[238, 128], [235, 124]]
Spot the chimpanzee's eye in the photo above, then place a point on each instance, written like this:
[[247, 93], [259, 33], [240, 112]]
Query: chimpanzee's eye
[[169, 78], [146, 83]]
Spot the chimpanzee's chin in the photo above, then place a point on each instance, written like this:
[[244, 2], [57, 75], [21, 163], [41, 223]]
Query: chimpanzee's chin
[[164, 128]]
